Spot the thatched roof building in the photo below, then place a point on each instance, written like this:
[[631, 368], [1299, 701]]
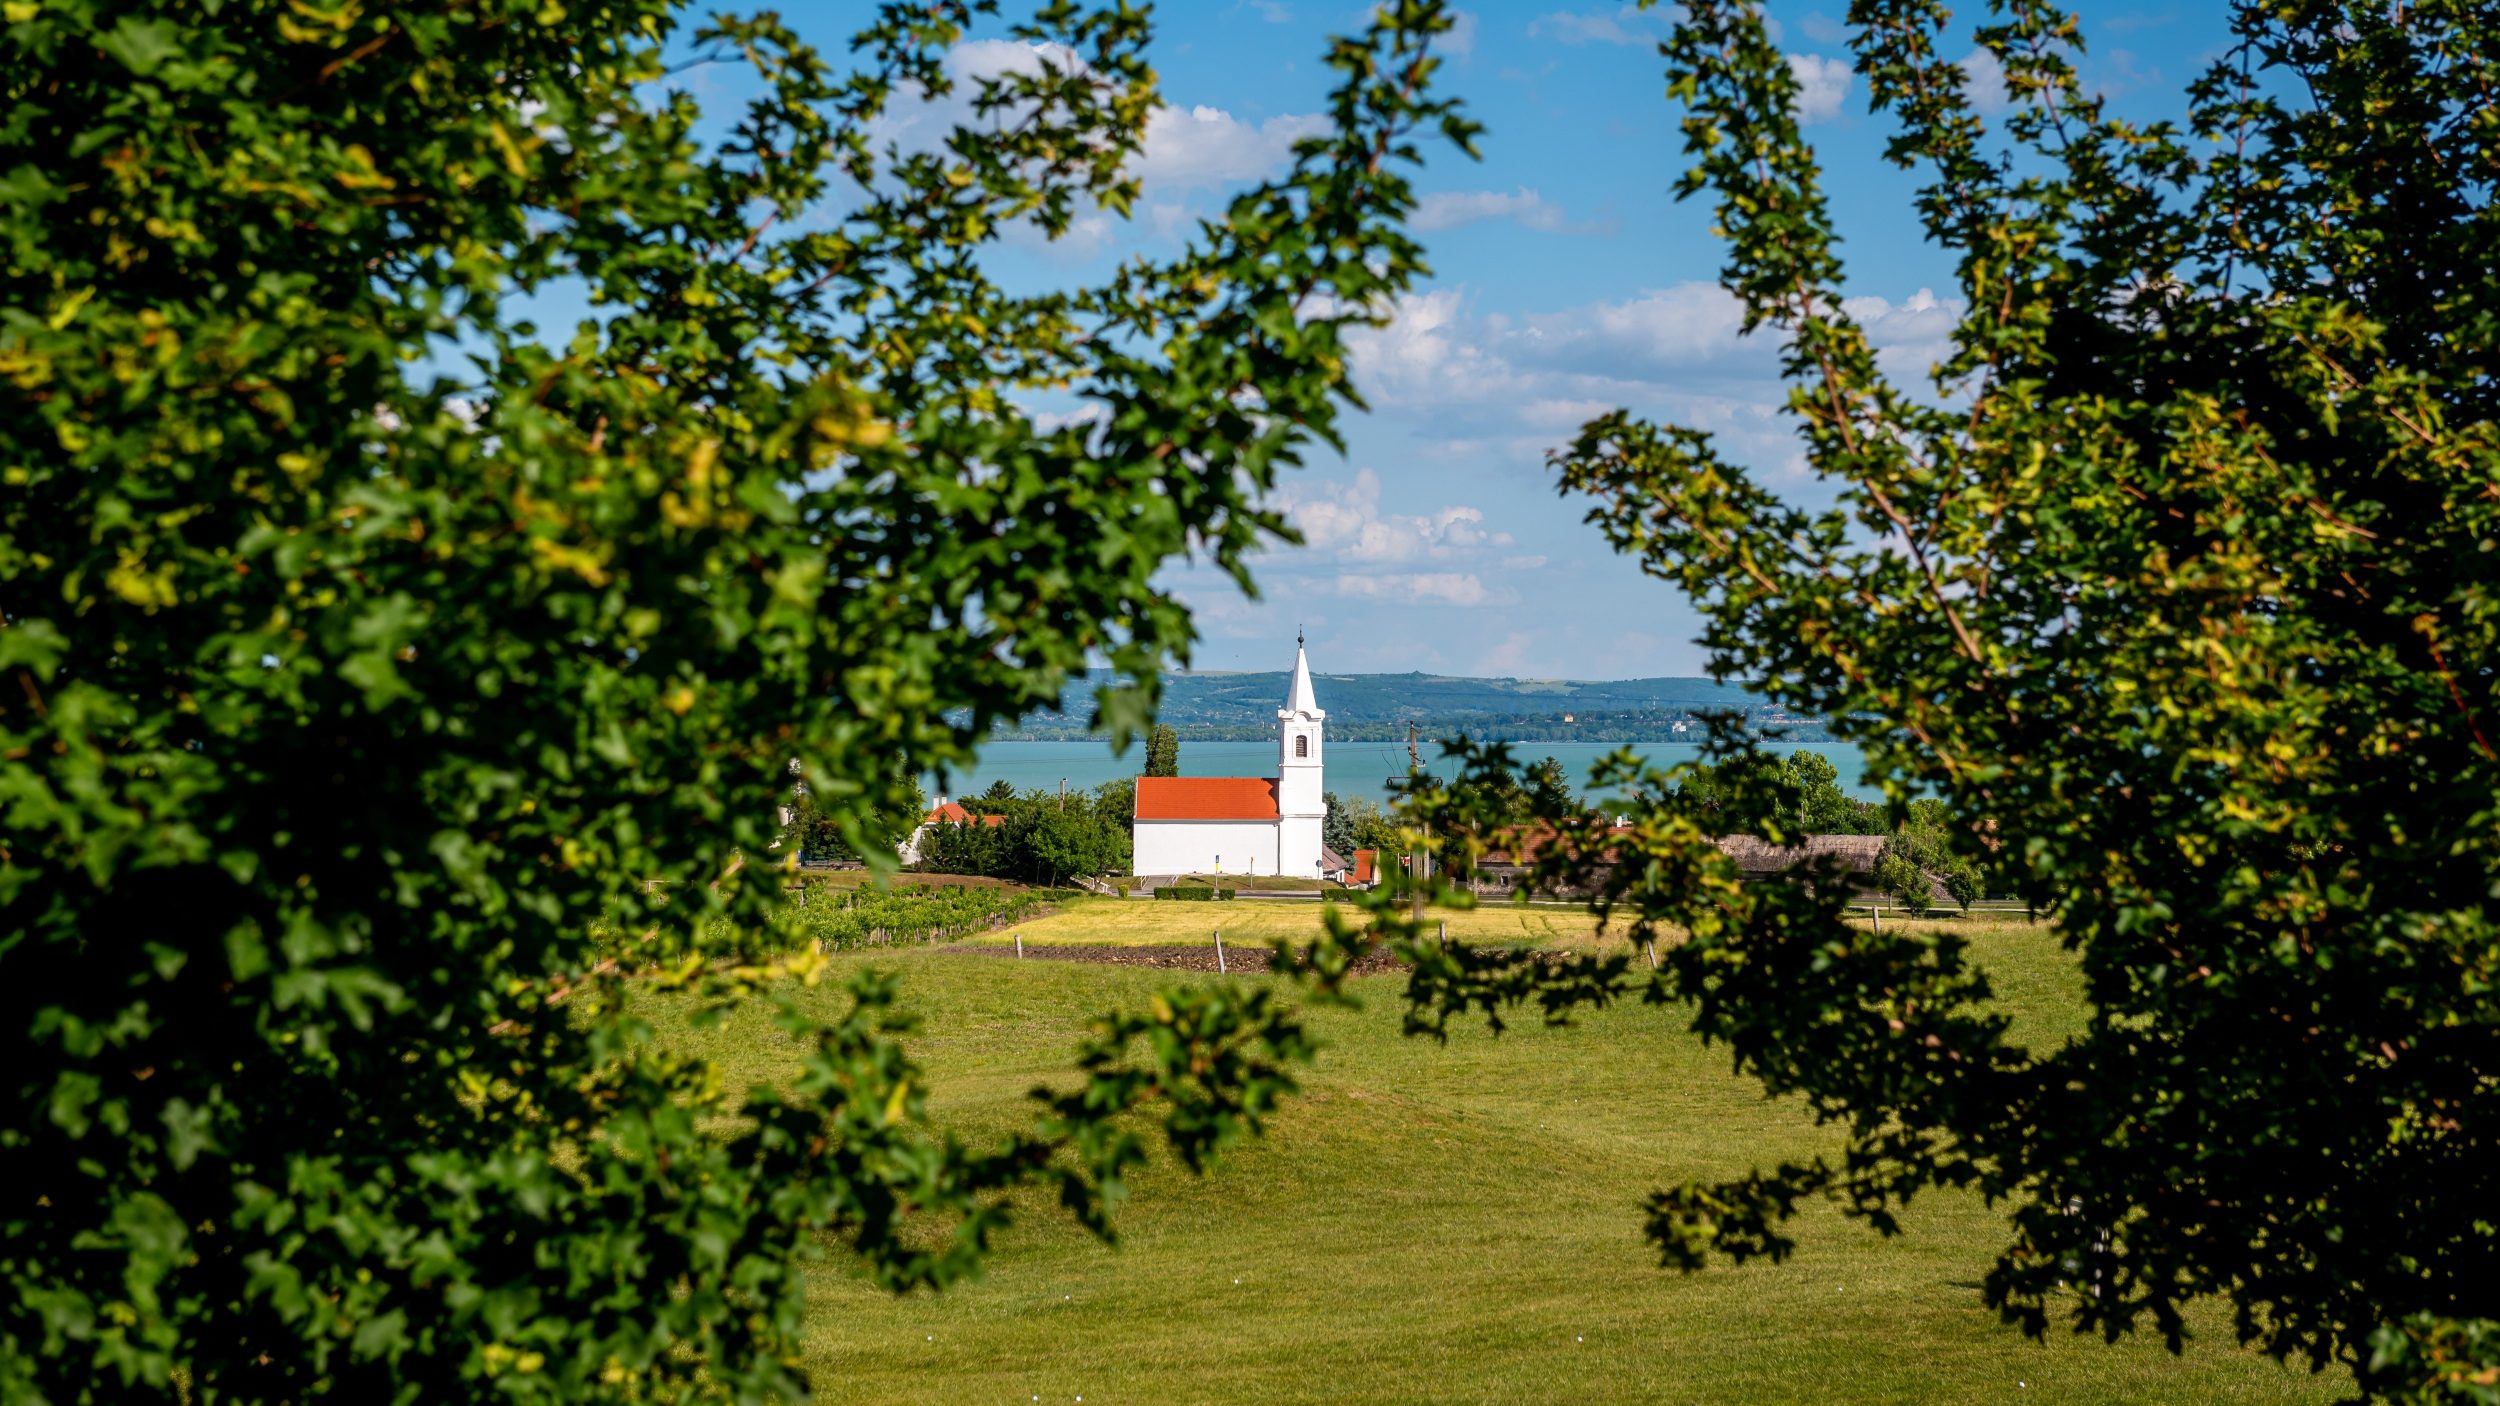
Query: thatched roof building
[[1848, 859]]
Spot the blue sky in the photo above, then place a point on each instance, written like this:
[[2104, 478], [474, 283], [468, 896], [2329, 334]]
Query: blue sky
[[1567, 281]]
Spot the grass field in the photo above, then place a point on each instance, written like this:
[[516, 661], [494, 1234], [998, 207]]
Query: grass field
[[1264, 883], [1249, 922], [1450, 1225]]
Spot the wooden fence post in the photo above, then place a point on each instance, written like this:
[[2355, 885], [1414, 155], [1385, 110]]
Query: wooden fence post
[[1019, 947], [1219, 953]]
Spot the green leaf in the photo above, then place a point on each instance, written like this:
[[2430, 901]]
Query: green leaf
[[141, 47]]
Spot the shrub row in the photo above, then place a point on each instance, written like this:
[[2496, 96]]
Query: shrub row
[[909, 915], [1193, 892], [833, 920]]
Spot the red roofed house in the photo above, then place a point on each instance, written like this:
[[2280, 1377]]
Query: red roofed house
[[1242, 824], [947, 813]]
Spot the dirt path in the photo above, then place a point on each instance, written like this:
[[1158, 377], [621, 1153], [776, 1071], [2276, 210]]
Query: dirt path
[[1244, 960]]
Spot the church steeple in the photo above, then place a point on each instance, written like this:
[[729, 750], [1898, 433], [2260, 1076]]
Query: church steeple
[[1299, 788], [1300, 699]]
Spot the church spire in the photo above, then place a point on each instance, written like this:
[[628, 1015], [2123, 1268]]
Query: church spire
[[1301, 699]]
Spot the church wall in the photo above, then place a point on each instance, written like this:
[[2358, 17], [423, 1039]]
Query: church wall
[[1301, 844], [1193, 846]]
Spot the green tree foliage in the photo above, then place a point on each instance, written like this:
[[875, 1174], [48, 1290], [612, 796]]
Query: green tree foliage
[[832, 920], [2180, 574], [1066, 843], [816, 834], [1803, 785], [1040, 837], [1898, 877], [1964, 884], [1116, 802], [1549, 788], [1336, 828], [367, 644], [1163, 751], [1923, 849], [977, 847], [1506, 798], [1822, 807], [1495, 801], [1371, 827]]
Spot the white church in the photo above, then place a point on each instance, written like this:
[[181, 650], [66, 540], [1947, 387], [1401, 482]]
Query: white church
[[1242, 824]]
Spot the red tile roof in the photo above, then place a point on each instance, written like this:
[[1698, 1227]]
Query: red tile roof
[[1365, 861], [1206, 798], [953, 814]]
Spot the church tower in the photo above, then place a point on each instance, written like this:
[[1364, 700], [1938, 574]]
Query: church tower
[[1299, 784]]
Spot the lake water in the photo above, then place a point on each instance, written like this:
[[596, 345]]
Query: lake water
[[1350, 768]]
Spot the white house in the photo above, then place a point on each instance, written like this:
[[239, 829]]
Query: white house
[[1242, 824]]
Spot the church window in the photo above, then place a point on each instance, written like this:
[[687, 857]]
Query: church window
[[1301, 746]]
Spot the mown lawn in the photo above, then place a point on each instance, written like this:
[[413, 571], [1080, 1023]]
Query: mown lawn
[[1251, 922], [1451, 1224], [1265, 883]]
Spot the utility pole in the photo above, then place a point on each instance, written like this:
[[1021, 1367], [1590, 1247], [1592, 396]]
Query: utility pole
[[1423, 860]]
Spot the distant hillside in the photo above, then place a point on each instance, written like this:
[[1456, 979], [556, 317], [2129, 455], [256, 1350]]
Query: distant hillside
[[1212, 706]]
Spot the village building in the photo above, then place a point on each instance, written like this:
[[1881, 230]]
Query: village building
[[1848, 860], [1243, 824], [912, 849]]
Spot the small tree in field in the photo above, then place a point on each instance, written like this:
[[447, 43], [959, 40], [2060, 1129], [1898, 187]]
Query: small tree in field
[[1963, 883], [1899, 878], [2179, 579], [364, 645]]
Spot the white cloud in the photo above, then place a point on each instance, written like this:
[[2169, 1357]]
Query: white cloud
[[1628, 25], [1208, 146], [1357, 549], [1823, 29], [1643, 25], [1460, 41], [1563, 414], [1429, 353], [1983, 82], [1695, 326], [1909, 336], [1419, 588], [1452, 208], [1822, 85], [1346, 525], [1520, 386]]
